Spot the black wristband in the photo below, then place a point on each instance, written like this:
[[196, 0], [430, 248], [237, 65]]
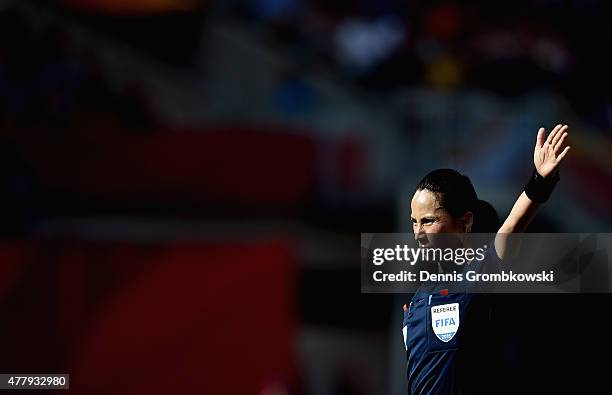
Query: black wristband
[[539, 188]]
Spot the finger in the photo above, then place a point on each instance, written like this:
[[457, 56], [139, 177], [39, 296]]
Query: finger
[[558, 136], [559, 143], [553, 133], [540, 138], [565, 151]]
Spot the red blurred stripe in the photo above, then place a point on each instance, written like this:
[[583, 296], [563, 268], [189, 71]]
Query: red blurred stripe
[[240, 166]]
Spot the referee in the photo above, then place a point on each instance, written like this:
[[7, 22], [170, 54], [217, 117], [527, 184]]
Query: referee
[[438, 361]]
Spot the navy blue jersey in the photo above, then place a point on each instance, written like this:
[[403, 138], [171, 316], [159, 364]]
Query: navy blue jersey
[[445, 326]]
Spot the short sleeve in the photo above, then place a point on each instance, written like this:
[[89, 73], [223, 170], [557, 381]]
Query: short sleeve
[[491, 262]]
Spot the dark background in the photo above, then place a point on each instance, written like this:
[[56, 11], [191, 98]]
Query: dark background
[[184, 183]]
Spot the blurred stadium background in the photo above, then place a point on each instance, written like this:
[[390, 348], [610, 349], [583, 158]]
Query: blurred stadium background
[[184, 182]]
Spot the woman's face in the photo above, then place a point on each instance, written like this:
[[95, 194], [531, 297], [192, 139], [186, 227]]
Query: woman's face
[[429, 217]]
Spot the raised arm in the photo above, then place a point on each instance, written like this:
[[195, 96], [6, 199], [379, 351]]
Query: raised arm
[[547, 156]]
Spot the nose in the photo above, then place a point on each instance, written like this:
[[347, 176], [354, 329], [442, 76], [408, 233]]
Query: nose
[[421, 237]]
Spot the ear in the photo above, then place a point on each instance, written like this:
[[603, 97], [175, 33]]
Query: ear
[[468, 221]]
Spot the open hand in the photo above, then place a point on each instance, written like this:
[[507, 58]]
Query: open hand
[[549, 153]]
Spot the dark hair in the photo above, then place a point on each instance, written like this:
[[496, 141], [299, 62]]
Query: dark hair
[[457, 195]]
